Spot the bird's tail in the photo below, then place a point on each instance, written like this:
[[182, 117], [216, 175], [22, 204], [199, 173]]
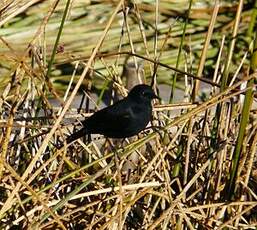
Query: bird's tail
[[80, 133]]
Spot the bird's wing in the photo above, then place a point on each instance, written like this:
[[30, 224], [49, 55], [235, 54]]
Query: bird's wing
[[114, 117]]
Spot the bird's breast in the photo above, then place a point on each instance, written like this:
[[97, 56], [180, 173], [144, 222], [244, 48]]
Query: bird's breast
[[141, 116]]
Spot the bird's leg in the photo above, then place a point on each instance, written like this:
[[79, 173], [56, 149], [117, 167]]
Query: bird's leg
[[122, 144], [88, 138], [112, 147], [156, 129], [117, 162]]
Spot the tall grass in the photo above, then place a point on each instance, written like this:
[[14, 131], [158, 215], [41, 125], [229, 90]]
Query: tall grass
[[194, 169]]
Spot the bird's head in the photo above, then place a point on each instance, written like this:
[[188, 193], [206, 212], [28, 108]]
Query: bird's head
[[142, 93]]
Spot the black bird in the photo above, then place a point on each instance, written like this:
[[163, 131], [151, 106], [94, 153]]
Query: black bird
[[124, 118]]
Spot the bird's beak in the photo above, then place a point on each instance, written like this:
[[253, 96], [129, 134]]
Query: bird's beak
[[156, 97]]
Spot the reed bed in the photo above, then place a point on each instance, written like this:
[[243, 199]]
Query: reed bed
[[193, 168]]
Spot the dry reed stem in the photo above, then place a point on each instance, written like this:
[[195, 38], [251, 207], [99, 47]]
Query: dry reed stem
[[166, 201], [205, 48], [9, 201], [18, 10]]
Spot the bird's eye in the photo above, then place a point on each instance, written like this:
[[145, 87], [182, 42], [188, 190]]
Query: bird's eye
[[144, 93]]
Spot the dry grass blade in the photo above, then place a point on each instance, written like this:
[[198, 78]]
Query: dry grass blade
[[172, 175]]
